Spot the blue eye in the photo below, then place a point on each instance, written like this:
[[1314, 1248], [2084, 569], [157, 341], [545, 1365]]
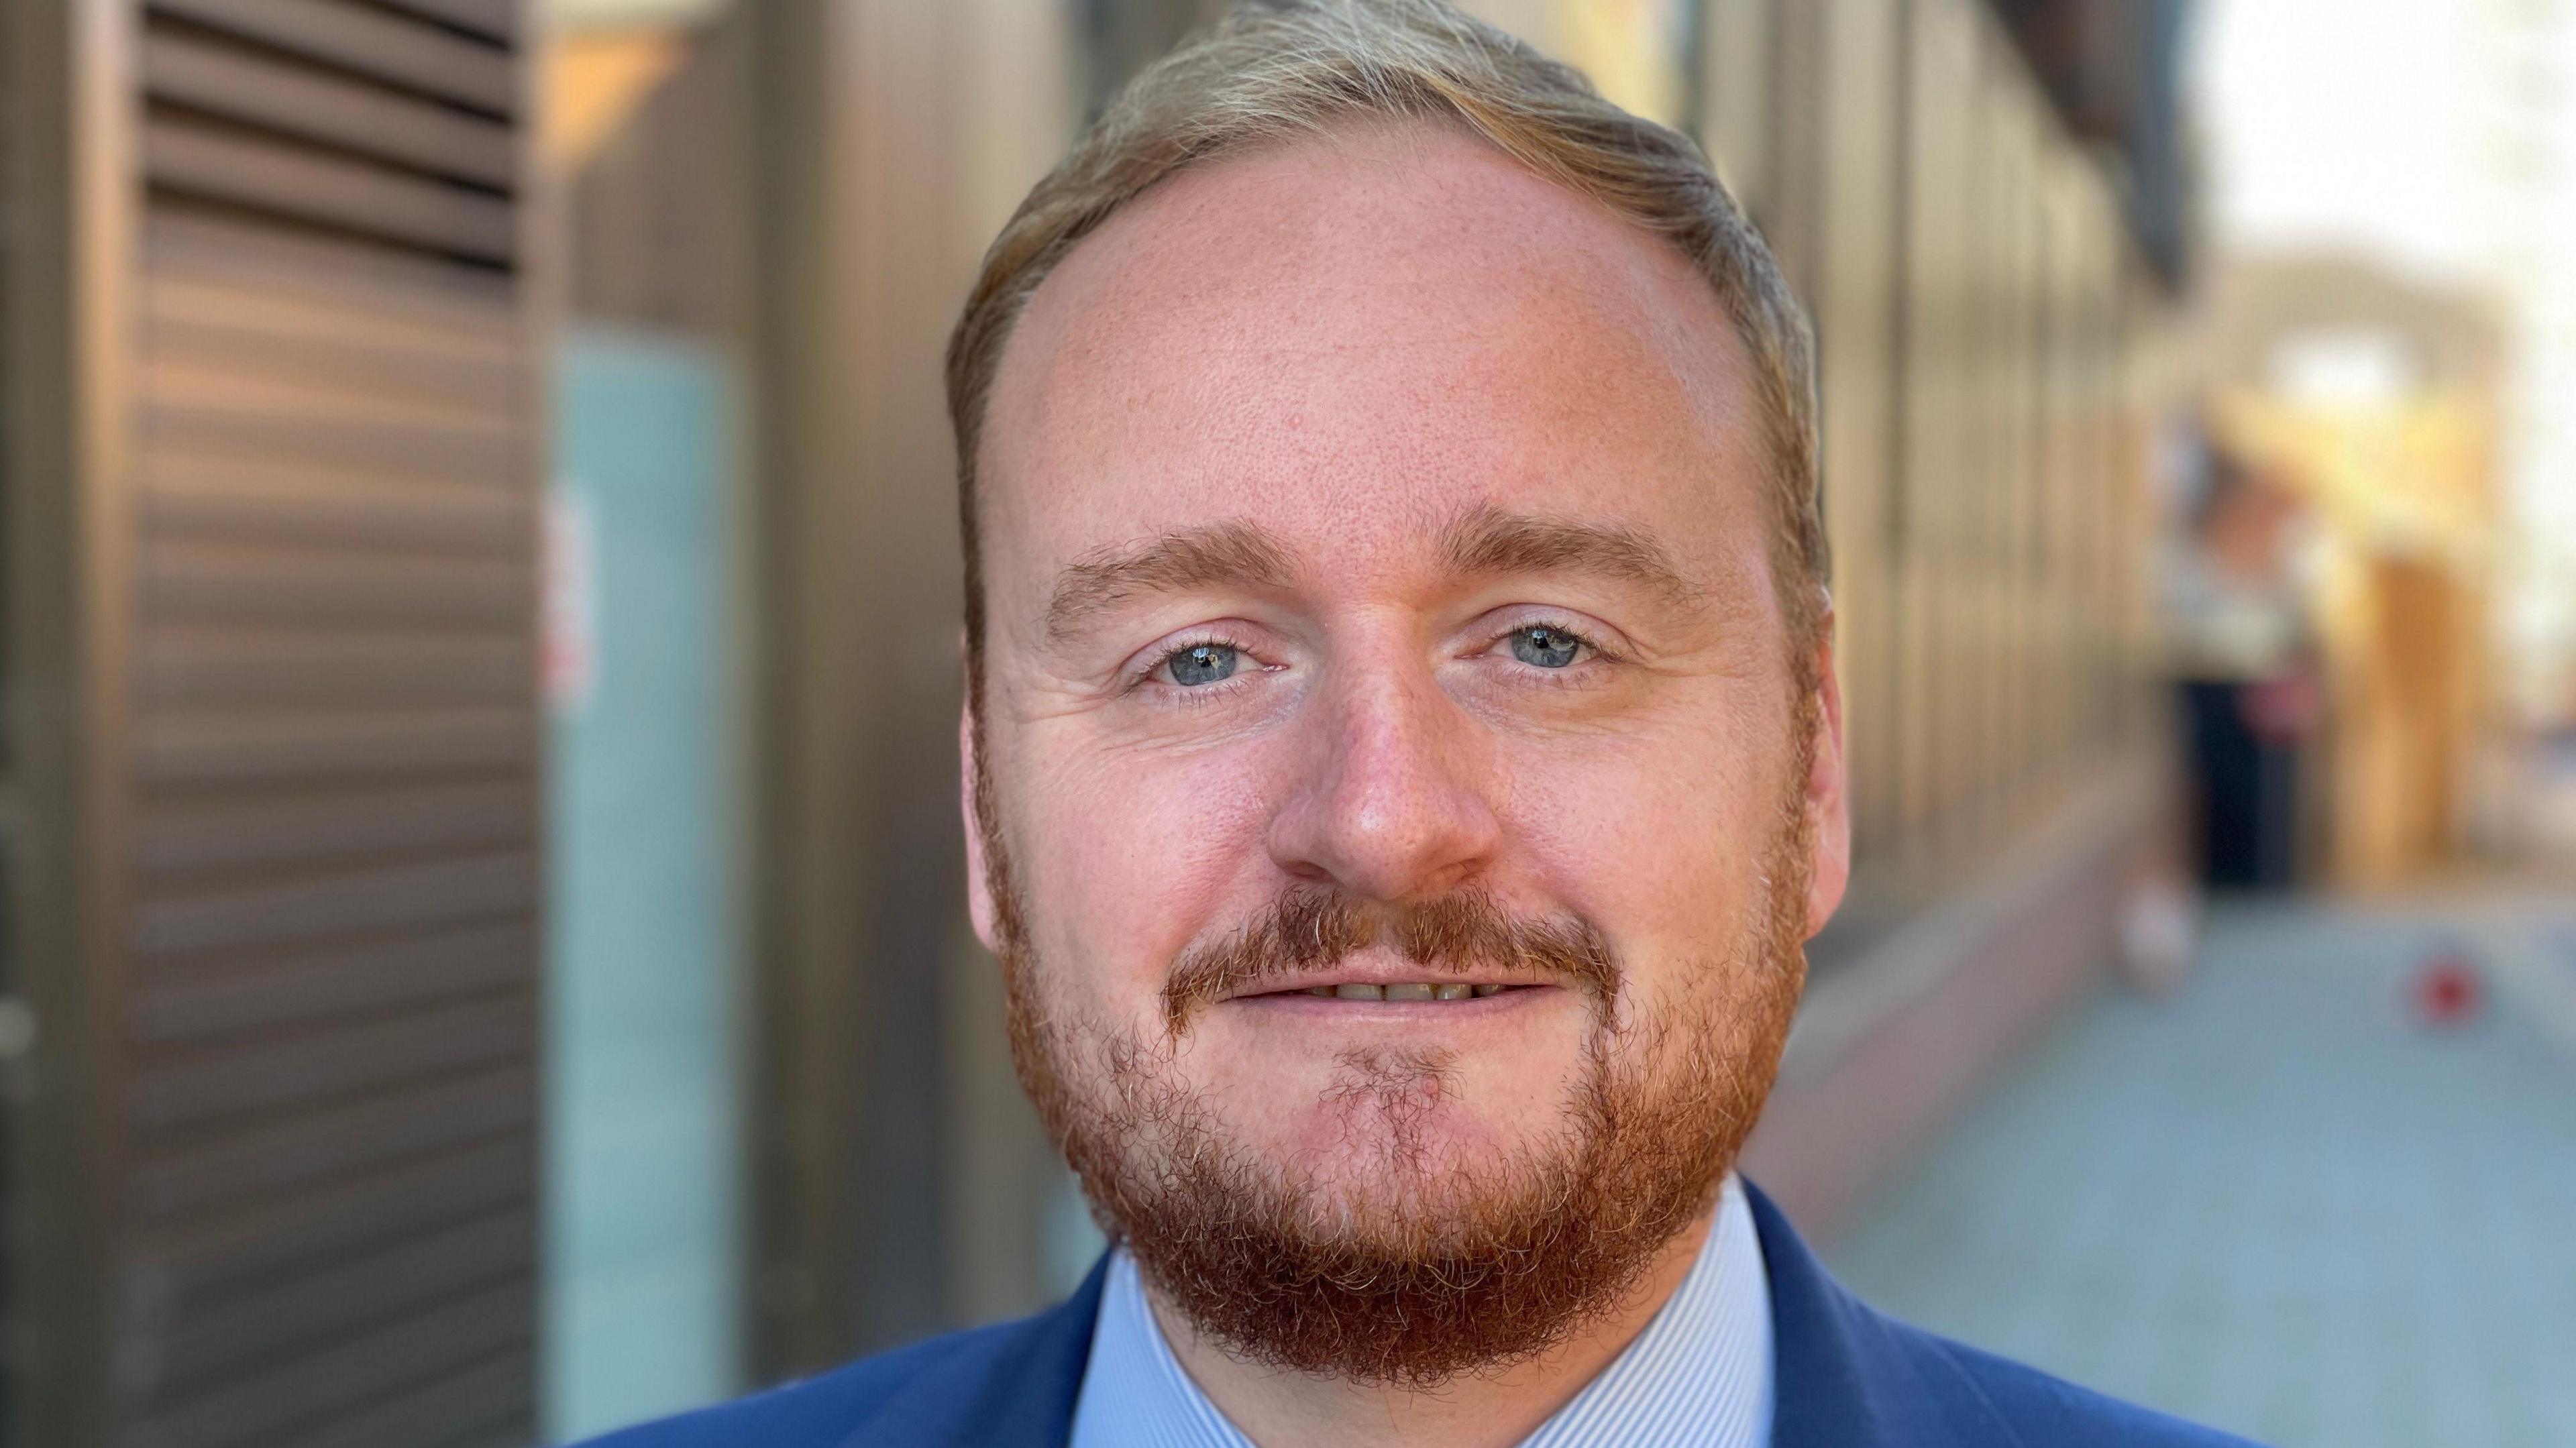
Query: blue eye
[[1543, 647], [1204, 664]]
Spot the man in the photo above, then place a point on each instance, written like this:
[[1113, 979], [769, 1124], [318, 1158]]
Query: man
[[1403, 765]]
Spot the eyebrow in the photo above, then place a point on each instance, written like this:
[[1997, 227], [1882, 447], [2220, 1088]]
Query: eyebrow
[[1491, 541], [1487, 541], [1212, 556]]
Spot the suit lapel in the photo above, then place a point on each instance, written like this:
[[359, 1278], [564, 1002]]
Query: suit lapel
[[1017, 1394], [1840, 1377]]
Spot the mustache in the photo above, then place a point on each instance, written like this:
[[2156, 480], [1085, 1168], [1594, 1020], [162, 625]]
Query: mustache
[[1456, 934]]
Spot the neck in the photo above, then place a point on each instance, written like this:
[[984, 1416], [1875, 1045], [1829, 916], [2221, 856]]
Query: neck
[[1277, 1409]]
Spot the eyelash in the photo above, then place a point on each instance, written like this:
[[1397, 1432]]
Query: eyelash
[[1202, 693], [1560, 678], [1208, 693]]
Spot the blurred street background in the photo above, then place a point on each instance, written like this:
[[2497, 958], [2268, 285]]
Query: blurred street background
[[485, 955]]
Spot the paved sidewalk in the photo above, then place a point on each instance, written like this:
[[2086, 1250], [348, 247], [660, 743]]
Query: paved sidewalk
[[2273, 1202]]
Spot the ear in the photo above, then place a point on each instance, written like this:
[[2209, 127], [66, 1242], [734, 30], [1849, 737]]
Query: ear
[[979, 879], [1828, 801]]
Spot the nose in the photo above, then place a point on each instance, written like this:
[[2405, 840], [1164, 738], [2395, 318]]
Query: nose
[[1394, 803]]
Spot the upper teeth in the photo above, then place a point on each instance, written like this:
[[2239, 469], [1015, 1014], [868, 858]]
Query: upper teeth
[[1410, 991]]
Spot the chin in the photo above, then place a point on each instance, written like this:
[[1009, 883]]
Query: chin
[[1391, 1147], [1318, 1095], [1392, 1205]]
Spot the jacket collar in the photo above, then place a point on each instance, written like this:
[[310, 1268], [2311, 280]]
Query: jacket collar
[[1825, 1385], [1019, 1395], [1845, 1377]]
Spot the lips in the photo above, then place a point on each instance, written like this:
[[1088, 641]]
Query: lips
[[1447, 990], [1379, 982], [1317, 944]]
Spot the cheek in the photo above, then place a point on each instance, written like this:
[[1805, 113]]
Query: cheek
[[1658, 837], [1130, 856]]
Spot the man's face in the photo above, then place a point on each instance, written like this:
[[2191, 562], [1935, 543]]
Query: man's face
[[1380, 607]]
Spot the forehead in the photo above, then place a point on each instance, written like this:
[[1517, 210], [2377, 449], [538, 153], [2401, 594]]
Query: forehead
[[1396, 323]]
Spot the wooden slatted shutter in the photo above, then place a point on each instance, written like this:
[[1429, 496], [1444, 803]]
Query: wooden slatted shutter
[[289, 1005]]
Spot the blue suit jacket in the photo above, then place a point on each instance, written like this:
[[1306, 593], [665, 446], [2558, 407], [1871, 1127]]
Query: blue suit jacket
[[1846, 1378]]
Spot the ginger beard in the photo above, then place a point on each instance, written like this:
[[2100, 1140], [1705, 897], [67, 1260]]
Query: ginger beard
[[1426, 1272]]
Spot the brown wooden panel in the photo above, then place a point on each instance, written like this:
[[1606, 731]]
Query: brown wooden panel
[[389, 448], [355, 667], [328, 1146], [412, 378], [502, 1437], [182, 380], [218, 165], [1860, 234], [305, 517], [382, 324], [409, 374], [262, 1075], [257, 1407], [485, 1406], [283, 750], [497, 19], [415, 1271], [369, 42], [243, 85], [217, 1258], [272, 988], [240, 502], [186, 239], [439, 893], [307, 588], [342, 826]]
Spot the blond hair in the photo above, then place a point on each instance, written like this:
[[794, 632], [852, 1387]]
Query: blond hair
[[1274, 71]]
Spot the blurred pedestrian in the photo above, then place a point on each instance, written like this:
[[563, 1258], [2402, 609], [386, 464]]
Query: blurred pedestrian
[[2246, 671]]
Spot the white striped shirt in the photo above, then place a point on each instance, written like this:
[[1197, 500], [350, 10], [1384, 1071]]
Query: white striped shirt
[[1699, 1376]]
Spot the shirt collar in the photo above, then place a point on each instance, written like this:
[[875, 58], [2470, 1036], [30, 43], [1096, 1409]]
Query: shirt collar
[[1699, 1376]]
